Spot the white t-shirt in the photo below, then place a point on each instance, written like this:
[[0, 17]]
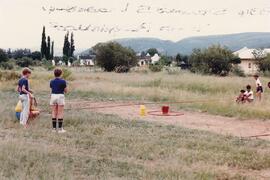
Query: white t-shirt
[[258, 83], [249, 95]]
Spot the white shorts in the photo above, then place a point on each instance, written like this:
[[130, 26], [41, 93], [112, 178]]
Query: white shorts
[[57, 99]]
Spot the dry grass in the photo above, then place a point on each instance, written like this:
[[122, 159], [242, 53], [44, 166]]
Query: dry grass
[[108, 147], [181, 86]]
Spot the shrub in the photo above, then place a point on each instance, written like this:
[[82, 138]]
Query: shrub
[[213, 60], [112, 55], [25, 62], [165, 61], [47, 65], [236, 70], [67, 74], [172, 70], [155, 67], [122, 69], [7, 65], [9, 75], [264, 63], [3, 56]]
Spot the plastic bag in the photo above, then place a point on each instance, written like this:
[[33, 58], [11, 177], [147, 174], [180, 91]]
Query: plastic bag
[[18, 107]]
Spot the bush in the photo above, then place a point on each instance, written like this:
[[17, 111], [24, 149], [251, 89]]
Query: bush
[[7, 65], [264, 63], [122, 69], [236, 70], [112, 55], [173, 70], [25, 62], [165, 61], [155, 67], [9, 75], [67, 74], [213, 60], [47, 65], [3, 56]]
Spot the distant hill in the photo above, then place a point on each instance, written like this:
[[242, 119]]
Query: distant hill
[[185, 46]]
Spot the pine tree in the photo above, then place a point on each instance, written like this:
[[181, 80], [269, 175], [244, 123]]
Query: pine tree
[[43, 44], [66, 48], [48, 49], [72, 45], [52, 50]]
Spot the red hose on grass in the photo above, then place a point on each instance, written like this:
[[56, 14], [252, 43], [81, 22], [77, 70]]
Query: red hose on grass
[[137, 104], [159, 113]]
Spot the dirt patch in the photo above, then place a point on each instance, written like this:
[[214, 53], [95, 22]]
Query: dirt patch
[[192, 120]]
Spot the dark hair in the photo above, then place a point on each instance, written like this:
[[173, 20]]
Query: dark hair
[[256, 75], [58, 72], [248, 87], [26, 71], [242, 91]]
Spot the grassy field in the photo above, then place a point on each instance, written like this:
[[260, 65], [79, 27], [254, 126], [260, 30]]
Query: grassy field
[[99, 146], [173, 87]]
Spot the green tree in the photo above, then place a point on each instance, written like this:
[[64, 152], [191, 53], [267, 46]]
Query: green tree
[[180, 59], [48, 50], [263, 63], [52, 50], [36, 55], [112, 55], [3, 56], [43, 44], [72, 45], [152, 51], [65, 59], [213, 60], [165, 61], [258, 54], [66, 48]]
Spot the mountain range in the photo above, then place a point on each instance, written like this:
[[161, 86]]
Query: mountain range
[[185, 46]]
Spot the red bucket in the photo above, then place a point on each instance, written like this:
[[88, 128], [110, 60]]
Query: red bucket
[[165, 110]]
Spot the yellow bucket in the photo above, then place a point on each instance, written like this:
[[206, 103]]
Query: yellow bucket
[[142, 110]]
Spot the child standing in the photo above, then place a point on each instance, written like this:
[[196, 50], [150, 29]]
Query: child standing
[[249, 94], [259, 87], [25, 95], [58, 89]]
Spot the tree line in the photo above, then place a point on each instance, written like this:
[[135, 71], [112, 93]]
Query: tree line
[[112, 56], [213, 60], [25, 58]]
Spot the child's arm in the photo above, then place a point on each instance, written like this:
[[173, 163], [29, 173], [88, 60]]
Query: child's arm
[[18, 89], [25, 91]]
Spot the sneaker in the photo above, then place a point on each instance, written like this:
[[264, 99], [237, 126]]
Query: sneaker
[[54, 130], [61, 130]]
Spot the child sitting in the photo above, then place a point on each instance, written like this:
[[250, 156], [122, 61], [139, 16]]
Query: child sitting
[[242, 97], [249, 97]]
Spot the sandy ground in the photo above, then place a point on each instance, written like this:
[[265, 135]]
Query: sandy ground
[[192, 120]]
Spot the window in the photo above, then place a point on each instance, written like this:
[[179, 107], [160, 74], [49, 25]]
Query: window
[[249, 65]]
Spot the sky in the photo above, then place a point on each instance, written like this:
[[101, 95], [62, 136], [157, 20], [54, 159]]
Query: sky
[[94, 21]]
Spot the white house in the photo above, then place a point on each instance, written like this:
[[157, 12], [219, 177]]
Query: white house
[[155, 58], [147, 59], [248, 61], [144, 60], [87, 60]]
